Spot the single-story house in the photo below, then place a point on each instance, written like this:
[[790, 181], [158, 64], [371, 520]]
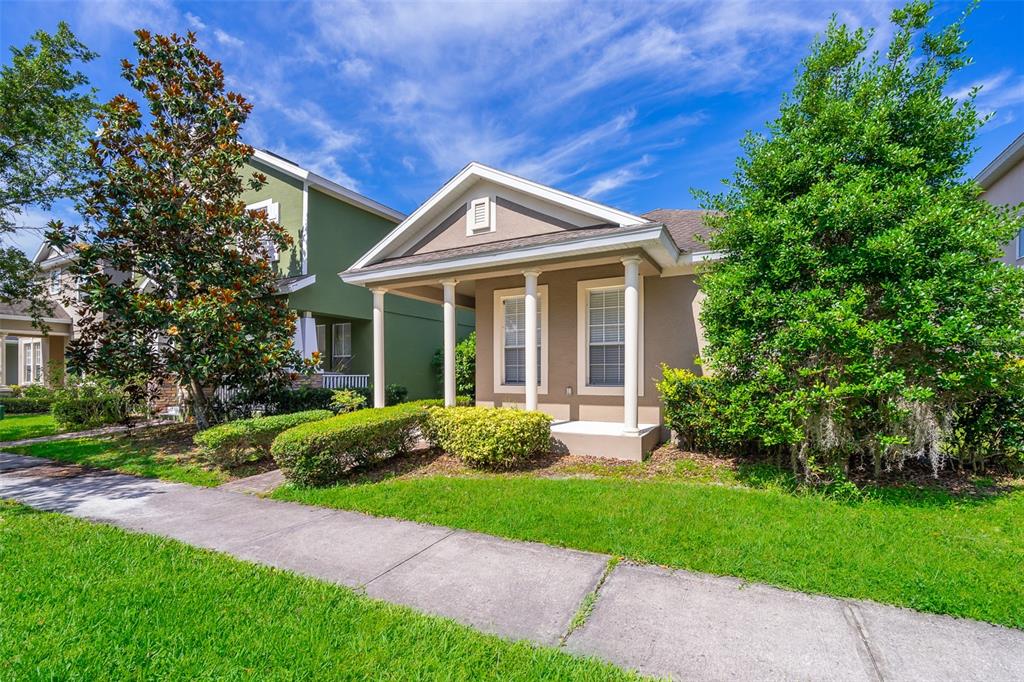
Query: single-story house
[[584, 299]]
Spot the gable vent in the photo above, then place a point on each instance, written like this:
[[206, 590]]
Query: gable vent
[[479, 216]]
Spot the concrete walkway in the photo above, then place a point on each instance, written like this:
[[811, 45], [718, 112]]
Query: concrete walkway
[[660, 622]]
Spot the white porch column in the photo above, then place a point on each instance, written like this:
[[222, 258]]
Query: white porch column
[[378, 347], [630, 386], [531, 338], [449, 342]]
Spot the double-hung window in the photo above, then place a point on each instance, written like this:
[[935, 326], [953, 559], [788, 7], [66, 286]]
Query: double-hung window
[[271, 211], [606, 340], [32, 361], [510, 340], [341, 345], [55, 275]]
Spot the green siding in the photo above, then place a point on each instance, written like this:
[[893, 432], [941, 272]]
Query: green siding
[[287, 192], [338, 234]]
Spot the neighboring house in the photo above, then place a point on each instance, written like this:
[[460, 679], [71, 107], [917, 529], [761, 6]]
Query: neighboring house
[[331, 226], [588, 299], [1003, 181]]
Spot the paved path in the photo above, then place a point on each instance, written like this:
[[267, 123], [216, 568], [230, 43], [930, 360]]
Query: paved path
[[102, 431], [660, 622]]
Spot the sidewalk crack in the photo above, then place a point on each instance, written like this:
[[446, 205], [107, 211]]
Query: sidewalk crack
[[853, 618], [409, 558], [589, 601]]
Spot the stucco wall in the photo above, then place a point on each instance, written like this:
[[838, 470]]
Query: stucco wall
[[286, 191], [1009, 189], [670, 336]]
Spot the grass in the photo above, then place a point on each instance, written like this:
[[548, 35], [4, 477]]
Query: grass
[[924, 549], [18, 426], [84, 601], [153, 453]]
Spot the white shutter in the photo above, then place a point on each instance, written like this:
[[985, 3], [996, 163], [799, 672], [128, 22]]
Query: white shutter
[[304, 340]]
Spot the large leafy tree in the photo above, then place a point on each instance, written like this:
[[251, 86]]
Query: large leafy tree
[[196, 298], [860, 311], [45, 106]]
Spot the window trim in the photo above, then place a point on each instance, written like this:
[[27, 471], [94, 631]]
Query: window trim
[[27, 348], [320, 330], [498, 339], [583, 288], [273, 210], [490, 202], [55, 283], [334, 340], [1020, 244]]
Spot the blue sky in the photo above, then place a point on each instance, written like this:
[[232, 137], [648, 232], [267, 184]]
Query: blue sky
[[630, 103]]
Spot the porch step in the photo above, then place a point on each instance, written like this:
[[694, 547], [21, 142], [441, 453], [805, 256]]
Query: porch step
[[605, 439]]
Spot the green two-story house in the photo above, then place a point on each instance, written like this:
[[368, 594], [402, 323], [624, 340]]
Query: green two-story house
[[331, 227]]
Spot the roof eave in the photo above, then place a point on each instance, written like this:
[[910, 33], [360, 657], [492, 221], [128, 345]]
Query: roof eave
[[1000, 165]]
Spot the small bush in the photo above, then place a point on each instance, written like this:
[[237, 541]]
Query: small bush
[[394, 394], [347, 400], [696, 409], [465, 366], [489, 436], [319, 454], [17, 405], [35, 391], [83, 403], [242, 440]]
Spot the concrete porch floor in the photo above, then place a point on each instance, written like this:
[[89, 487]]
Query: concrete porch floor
[[605, 439]]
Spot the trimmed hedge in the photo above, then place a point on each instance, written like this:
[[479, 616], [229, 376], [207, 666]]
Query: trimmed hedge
[[26, 405], [489, 436], [319, 454], [232, 443]]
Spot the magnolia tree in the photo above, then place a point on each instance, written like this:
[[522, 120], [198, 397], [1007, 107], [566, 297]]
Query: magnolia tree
[[196, 301], [860, 311]]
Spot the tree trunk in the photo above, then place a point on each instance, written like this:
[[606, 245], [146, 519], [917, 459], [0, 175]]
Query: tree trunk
[[200, 406]]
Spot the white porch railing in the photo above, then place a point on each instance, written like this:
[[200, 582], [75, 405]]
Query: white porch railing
[[339, 381]]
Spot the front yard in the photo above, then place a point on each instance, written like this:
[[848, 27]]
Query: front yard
[[164, 452], [71, 593], [927, 549], [19, 426]]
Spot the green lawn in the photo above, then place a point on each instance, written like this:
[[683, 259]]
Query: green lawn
[[18, 426], [83, 601], [922, 549], [145, 453]]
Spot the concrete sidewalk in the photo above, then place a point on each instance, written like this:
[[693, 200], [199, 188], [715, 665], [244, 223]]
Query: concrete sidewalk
[[657, 621]]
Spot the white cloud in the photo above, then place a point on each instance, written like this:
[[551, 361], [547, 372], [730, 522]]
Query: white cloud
[[356, 68], [194, 21], [226, 39], [129, 15], [624, 175]]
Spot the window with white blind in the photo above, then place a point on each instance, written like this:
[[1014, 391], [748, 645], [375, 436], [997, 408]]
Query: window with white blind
[[514, 312], [601, 336], [606, 337], [341, 344], [510, 340]]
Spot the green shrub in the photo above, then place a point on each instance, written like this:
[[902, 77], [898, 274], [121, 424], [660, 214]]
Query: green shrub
[[83, 403], [696, 408], [35, 391], [235, 442], [16, 405], [347, 400], [394, 394], [465, 366], [489, 436], [320, 453]]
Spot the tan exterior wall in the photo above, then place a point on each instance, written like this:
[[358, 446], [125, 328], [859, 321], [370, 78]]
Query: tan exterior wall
[[669, 336], [1009, 189], [515, 215]]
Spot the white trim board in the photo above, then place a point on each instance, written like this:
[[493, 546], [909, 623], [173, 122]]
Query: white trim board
[[583, 357], [498, 340], [477, 171]]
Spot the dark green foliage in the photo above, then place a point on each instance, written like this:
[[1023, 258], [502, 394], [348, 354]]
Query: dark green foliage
[[26, 405], [489, 436], [697, 409], [321, 453], [92, 402], [465, 366], [860, 313], [167, 207], [235, 442], [45, 105]]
